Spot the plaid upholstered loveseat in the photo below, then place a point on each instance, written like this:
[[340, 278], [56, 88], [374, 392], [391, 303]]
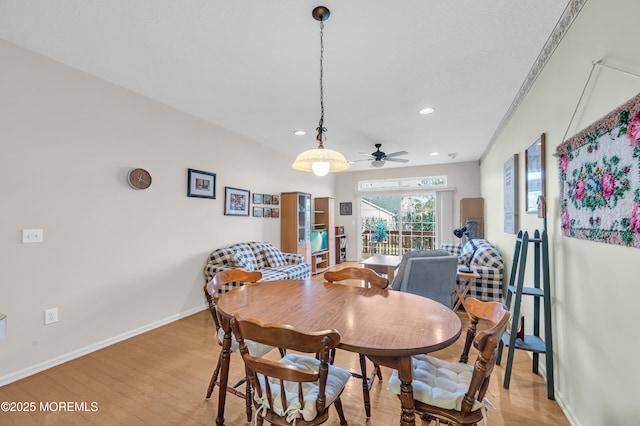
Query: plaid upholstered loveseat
[[256, 256], [487, 262]]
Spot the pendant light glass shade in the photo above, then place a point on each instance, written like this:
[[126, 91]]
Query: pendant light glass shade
[[321, 161]]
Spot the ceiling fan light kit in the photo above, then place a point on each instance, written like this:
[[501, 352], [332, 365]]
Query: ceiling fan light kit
[[321, 161]]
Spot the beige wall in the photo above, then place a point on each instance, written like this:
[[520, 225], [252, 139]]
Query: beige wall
[[593, 284], [115, 261]]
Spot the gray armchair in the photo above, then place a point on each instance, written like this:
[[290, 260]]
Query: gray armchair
[[428, 273]]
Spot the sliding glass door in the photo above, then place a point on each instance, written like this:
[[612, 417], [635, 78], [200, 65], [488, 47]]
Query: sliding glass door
[[394, 225]]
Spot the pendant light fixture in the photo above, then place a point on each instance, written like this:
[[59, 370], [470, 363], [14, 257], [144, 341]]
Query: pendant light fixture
[[321, 160]]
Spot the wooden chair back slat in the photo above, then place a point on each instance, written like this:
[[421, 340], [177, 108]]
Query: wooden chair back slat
[[222, 278], [370, 277]]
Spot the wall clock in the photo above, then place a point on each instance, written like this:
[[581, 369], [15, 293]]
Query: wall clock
[[139, 178]]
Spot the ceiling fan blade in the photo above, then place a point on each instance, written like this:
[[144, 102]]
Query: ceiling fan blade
[[361, 159], [397, 160], [367, 154], [395, 154]]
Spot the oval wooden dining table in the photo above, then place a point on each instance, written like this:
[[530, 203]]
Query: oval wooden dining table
[[386, 325]]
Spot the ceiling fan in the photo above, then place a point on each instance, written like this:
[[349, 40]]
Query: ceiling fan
[[378, 158]]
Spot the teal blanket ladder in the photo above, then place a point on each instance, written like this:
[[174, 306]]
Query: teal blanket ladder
[[540, 290]]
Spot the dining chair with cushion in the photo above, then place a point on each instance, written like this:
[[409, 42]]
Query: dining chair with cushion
[[454, 392], [370, 279], [298, 389], [256, 349]]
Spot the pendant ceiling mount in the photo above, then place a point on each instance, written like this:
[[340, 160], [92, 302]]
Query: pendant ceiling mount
[[321, 13]]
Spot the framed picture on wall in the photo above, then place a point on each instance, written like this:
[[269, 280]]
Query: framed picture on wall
[[257, 198], [534, 174], [510, 195], [201, 184], [257, 212], [236, 201], [345, 209]]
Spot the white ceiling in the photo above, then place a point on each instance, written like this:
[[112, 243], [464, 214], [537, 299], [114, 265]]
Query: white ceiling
[[252, 66]]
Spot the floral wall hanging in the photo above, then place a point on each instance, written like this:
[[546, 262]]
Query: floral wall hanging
[[599, 170]]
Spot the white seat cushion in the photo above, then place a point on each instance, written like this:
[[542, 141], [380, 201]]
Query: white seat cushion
[[336, 381], [437, 382], [255, 349]]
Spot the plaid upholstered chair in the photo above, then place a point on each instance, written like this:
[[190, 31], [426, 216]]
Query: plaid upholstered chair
[[487, 262]]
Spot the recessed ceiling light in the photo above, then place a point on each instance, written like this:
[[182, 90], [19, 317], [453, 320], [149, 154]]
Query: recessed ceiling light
[[299, 133], [427, 110], [433, 154]]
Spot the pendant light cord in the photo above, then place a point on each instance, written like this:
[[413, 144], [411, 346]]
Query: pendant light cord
[[321, 129]]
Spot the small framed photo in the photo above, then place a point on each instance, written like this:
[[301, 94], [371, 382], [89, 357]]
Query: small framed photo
[[257, 198], [266, 212], [236, 201], [345, 209], [201, 184], [275, 212], [257, 212], [266, 199], [534, 170], [511, 195], [275, 200]]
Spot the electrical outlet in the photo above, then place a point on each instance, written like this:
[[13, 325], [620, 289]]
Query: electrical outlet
[[32, 236], [50, 316]]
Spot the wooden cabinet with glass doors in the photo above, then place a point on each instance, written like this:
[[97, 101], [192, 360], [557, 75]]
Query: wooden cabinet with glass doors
[[295, 223]]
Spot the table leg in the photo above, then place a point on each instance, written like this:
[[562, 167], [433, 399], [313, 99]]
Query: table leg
[[391, 272], [406, 392], [224, 371]]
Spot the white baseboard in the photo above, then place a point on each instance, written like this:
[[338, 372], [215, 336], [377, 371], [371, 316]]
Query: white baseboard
[[18, 375]]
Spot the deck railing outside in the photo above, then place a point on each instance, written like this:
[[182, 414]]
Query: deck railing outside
[[411, 240]]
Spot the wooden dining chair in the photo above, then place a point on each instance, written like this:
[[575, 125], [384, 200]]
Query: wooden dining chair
[[256, 349], [370, 279], [369, 276], [454, 392], [297, 389]]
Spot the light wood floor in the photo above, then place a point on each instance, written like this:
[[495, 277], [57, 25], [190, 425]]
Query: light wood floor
[[161, 377]]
